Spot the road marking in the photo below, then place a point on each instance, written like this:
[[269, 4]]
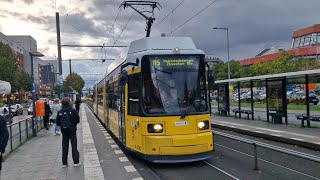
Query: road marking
[[298, 139], [111, 141], [130, 169], [114, 146], [118, 152], [108, 137], [139, 178], [123, 159], [224, 172], [91, 163], [278, 135]]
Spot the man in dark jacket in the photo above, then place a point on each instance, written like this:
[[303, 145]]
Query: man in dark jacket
[[47, 113], [68, 119], [78, 102], [4, 136]]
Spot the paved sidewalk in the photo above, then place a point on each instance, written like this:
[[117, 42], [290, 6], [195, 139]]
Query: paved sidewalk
[[41, 158], [306, 137]]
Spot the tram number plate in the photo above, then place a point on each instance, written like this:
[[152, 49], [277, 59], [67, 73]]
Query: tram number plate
[[181, 123]]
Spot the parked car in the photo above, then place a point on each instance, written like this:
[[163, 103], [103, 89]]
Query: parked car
[[300, 98], [4, 112], [16, 109]]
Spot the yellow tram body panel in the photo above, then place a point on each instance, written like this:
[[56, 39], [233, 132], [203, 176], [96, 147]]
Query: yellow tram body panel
[[176, 138], [114, 122]]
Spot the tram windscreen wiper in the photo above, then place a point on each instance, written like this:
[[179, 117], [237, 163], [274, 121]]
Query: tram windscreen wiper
[[185, 114]]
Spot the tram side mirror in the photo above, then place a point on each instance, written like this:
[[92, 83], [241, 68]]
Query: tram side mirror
[[136, 64], [210, 77], [123, 78]]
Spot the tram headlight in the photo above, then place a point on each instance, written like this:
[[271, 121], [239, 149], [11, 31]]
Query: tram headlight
[[155, 128], [203, 125]]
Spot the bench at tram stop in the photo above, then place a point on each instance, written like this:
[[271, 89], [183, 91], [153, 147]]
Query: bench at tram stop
[[223, 112], [304, 117], [239, 111], [276, 117]]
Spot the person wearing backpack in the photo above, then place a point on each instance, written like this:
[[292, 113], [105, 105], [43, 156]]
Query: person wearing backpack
[[68, 119]]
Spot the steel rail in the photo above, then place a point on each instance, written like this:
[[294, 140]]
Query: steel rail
[[270, 147]]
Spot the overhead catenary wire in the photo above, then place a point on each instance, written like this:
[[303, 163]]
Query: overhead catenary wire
[[168, 14], [120, 34], [206, 7]]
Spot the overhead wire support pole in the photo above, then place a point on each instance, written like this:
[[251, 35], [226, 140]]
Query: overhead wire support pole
[[149, 20]]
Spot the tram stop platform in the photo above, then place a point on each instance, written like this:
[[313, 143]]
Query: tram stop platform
[[291, 134], [40, 157]]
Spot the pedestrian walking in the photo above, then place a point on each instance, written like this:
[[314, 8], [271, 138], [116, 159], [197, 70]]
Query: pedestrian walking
[[4, 136], [47, 113], [55, 108], [78, 102], [67, 119]]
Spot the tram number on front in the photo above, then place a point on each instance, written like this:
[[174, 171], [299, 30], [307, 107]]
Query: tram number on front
[[181, 123]]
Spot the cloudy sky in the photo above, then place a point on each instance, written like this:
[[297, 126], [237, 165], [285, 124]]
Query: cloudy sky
[[253, 25]]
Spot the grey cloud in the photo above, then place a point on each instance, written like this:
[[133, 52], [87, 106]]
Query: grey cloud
[[28, 1]]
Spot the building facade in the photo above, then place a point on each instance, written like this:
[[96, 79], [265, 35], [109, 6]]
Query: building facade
[[305, 42], [16, 47]]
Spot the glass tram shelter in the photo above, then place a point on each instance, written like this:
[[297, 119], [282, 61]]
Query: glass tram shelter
[[275, 98]]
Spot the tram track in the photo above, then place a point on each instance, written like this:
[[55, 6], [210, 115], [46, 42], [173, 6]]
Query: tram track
[[267, 161], [221, 170]]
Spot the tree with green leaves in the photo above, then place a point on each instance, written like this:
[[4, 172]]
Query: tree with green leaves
[[77, 82], [8, 65], [9, 70]]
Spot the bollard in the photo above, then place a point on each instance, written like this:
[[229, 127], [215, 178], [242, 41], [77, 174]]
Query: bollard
[[255, 157], [20, 131], [27, 128], [10, 138]]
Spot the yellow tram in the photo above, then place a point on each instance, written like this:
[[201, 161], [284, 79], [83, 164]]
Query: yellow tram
[[155, 101]]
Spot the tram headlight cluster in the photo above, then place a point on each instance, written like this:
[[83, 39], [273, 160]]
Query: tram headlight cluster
[[203, 125], [155, 128]]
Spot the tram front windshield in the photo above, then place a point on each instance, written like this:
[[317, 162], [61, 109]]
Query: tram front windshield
[[173, 85]]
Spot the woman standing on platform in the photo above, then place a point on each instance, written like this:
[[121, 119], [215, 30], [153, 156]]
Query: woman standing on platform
[[55, 108]]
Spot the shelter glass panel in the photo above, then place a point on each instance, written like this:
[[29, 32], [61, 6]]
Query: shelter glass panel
[[245, 96], [314, 95], [296, 104], [234, 98], [275, 99], [259, 100], [223, 97]]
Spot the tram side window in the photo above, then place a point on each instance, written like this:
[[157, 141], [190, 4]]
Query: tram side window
[[133, 94]]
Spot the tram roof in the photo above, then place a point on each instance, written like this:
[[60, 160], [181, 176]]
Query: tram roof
[[161, 43], [273, 76]]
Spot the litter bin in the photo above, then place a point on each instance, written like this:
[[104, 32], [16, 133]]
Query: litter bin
[[277, 119]]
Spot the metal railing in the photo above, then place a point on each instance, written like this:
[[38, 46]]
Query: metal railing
[[21, 131], [270, 147]]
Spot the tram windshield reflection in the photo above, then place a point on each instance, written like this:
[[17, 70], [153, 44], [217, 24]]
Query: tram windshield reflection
[[171, 85]]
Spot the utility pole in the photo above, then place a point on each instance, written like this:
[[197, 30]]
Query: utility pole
[[71, 93], [59, 51]]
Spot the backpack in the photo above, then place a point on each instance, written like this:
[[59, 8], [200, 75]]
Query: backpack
[[65, 120]]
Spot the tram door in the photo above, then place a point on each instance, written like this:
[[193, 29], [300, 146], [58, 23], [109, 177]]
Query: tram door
[[122, 113], [276, 100]]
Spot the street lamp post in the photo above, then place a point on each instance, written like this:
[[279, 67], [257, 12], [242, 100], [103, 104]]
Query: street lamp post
[[32, 54], [227, 29]]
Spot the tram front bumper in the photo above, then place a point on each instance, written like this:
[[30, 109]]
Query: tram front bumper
[[179, 144]]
